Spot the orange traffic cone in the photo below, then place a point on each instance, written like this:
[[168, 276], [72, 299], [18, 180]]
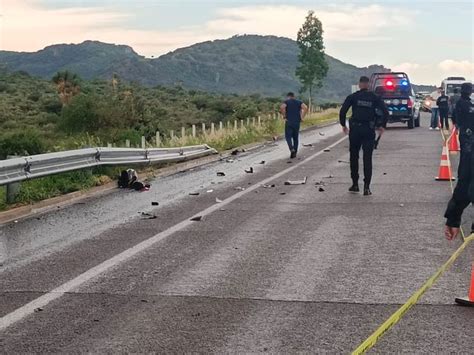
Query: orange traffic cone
[[454, 141], [445, 173], [469, 301]]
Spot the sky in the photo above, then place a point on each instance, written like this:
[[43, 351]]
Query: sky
[[429, 40]]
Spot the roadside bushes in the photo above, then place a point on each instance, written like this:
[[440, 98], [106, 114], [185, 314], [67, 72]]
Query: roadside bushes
[[22, 143]]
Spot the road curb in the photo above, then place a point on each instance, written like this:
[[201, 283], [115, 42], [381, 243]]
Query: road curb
[[48, 205]]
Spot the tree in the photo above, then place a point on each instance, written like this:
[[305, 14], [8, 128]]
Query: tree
[[313, 67], [67, 84]]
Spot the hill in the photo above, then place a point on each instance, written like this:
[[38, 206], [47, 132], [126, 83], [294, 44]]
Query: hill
[[241, 64]]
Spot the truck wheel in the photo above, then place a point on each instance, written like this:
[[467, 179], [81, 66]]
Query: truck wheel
[[411, 123]]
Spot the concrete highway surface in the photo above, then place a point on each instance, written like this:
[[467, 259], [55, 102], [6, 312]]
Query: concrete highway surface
[[285, 269]]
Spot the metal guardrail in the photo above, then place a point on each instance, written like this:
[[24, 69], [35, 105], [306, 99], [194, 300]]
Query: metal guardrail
[[35, 166]]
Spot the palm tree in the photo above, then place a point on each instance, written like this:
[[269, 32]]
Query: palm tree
[[67, 84]]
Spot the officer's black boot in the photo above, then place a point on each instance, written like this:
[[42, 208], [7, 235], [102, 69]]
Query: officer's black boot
[[354, 187], [367, 191]]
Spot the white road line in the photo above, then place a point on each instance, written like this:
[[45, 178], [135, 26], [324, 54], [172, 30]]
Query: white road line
[[69, 286]]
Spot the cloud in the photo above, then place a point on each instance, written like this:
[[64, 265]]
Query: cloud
[[434, 73], [463, 67], [28, 26]]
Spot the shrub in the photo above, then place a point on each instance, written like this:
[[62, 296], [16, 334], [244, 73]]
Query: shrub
[[22, 143]]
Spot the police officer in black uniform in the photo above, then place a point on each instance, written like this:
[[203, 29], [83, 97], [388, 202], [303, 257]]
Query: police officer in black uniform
[[464, 192], [362, 126]]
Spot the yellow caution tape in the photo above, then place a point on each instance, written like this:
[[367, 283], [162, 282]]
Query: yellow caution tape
[[395, 317]]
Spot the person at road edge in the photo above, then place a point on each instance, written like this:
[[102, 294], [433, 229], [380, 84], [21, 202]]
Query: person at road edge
[[443, 105], [362, 126], [293, 112], [463, 194]]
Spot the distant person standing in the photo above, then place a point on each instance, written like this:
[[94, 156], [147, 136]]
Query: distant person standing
[[361, 130], [434, 109], [443, 106], [453, 100], [293, 112]]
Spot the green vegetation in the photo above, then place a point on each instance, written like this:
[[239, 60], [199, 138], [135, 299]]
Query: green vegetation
[[313, 67], [241, 64], [38, 116]]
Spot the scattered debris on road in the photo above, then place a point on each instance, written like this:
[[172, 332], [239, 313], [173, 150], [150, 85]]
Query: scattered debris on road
[[343, 161], [249, 170], [230, 160], [209, 191], [235, 152], [320, 183], [321, 189], [402, 205], [262, 162], [297, 182], [39, 309], [146, 215], [220, 173], [194, 194], [266, 186], [322, 133], [154, 203], [329, 177], [238, 188], [282, 193], [327, 150], [218, 200], [196, 219], [307, 145]]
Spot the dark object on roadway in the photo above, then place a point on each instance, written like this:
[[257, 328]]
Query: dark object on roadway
[[329, 177], [296, 182], [266, 186], [321, 189], [307, 145], [327, 150], [464, 302], [282, 193], [140, 186], [154, 203], [194, 194], [322, 133], [39, 309], [235, 152], [249, 170], [343, 161], [220, 173], [146, 215], [196, 219], [262, 162]]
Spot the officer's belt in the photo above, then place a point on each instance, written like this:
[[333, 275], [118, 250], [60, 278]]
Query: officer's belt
[[362, 123]]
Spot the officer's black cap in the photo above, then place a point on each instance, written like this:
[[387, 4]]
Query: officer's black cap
[[364, 79], [466, 88]]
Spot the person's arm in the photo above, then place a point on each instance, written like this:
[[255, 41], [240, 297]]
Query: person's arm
[[453, 216], [283, 110], [343, 112], [304, 110]]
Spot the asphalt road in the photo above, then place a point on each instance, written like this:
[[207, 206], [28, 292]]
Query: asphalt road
[[282, 269]]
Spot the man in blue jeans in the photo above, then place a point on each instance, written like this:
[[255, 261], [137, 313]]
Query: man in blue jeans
[[293, 112]]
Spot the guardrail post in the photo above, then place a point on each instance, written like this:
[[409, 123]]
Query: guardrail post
[[203, 128], [171, 134], [220, 126], [228, 124], [158, 139], [109, 145], [127, 143], [235, 125], [212, 128], [259, 119], [248, 121], [143, 142], [13, 188], [194, 131], [183, 132], [241, 123], [253, 121]]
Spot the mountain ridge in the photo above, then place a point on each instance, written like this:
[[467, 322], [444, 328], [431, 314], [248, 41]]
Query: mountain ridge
[[247, 64]]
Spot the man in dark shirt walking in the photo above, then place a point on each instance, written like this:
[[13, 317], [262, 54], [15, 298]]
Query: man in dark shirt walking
[[362, 125], [443, 106], [293, 112]]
